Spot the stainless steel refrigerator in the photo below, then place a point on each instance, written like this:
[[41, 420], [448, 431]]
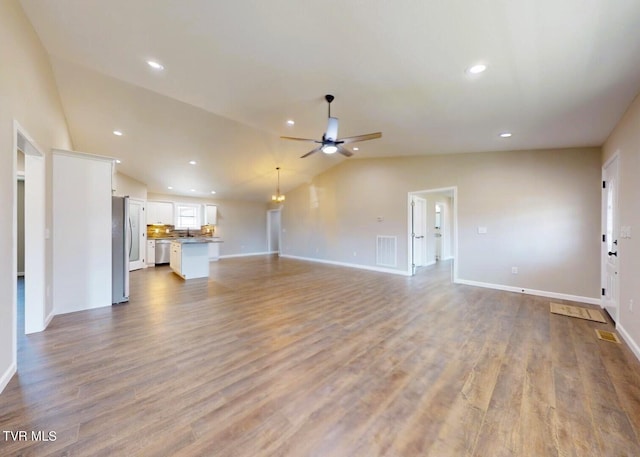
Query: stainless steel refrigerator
[[120, 247]]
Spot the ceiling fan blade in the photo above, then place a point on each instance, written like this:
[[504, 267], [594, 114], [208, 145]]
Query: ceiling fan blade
[[344, 151], [299, 139], [368, 136], [311, 152], [332, 129]]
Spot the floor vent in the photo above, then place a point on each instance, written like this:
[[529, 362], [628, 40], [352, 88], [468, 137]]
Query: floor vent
[[607, 336], [386, 251]]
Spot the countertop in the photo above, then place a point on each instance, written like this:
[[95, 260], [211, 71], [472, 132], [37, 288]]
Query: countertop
[[196, 239]]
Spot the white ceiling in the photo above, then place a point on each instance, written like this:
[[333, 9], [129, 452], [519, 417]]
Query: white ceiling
[[560, 74]]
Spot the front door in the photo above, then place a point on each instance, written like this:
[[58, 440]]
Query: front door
[[610, 230], [137, 234]]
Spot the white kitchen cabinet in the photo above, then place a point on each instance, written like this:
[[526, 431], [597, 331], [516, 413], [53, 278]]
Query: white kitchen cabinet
[[214, 251], [211, 214], [150, 259], [175, 258], [190, 258], [160, 213]]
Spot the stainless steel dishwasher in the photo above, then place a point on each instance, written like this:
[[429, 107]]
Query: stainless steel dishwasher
[[163, 251]]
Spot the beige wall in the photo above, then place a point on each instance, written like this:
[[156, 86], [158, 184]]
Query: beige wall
[[241, 224], [124, 185], [625, 141], [29, 96], [541, 210]]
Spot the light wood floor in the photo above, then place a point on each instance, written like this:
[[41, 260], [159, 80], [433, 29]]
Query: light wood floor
[[276, 357]]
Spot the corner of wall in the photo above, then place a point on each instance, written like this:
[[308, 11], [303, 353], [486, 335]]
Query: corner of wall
[[7, 375]]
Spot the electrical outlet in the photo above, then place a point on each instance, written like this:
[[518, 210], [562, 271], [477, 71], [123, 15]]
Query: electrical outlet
[[355, 253], [514, 270]]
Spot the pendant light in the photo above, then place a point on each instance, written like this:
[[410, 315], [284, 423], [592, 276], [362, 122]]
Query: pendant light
[[277, 197]]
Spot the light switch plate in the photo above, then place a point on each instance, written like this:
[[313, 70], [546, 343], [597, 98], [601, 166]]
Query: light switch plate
[[482, 230]]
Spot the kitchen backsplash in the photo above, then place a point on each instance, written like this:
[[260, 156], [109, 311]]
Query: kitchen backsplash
[[169, 231]]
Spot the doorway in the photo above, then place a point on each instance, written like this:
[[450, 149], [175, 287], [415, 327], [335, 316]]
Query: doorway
[[432, 228], [274, 221], [29, 169], [610, 231]]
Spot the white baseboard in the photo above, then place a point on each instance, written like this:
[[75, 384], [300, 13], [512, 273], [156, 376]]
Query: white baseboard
[[349, 265], [47, 320], [8, 374], [627, 338], [540, 293], [246, 255]]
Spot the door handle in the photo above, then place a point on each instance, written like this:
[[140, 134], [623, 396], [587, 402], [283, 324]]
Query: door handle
[[613, 253], [421, 236], [130, 238]]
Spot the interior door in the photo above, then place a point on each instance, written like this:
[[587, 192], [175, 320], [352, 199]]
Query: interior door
[[418, 231], [438, 230], [610, 230], [34, 249], [137, 234]]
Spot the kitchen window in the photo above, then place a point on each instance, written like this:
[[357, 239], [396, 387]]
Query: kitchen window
[[187, 216]]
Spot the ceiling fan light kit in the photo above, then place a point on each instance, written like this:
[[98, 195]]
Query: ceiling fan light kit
[[330, 144]]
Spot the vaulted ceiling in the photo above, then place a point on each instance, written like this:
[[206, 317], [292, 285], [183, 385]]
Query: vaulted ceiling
[[559, 74]]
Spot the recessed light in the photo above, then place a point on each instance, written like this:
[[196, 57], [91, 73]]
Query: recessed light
[[505, 135], [117, 133], [155, 65], [291, 122], [193, 190], [118, 161], [356, 149], [213, 191], [192, 162], [170, 187], [477, 68]]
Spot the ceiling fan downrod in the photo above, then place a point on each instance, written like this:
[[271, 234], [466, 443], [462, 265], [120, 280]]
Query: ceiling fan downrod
[[329, 98]]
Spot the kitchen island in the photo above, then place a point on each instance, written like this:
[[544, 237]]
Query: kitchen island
[[190, 257]]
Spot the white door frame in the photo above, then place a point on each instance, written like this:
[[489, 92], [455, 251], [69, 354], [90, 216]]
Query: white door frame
[[454, 223], [35, 234], [270, 212], [610, 285]]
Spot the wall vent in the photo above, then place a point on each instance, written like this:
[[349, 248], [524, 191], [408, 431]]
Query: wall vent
[[386, 251]]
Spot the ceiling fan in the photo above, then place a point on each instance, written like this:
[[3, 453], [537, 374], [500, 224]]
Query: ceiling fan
[[330, 143]]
